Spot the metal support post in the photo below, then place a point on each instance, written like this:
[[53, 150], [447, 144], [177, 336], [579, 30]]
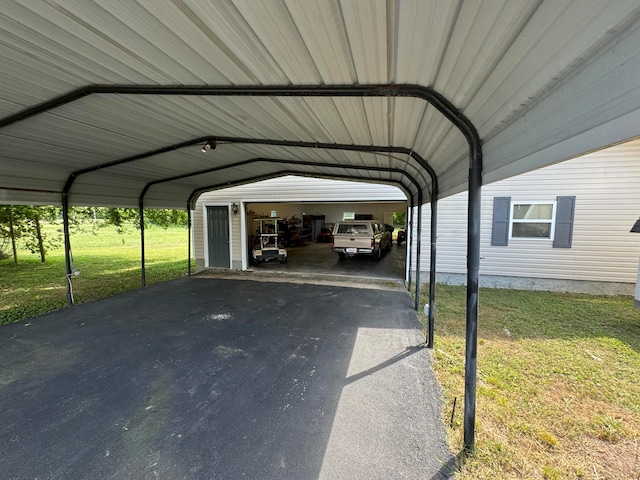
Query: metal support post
[[188, 240], [473, 268], [67, 246], [418, 240], [409, 242], [432, 269], [142, 263]]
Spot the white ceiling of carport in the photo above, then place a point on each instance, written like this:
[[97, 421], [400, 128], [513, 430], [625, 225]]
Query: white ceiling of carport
[[541, 81]]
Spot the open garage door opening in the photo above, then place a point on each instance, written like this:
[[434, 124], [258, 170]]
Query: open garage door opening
[[286, 225]]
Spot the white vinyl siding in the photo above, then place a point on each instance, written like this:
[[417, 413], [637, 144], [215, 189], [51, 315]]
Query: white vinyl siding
[[199, 232], [606, 185]]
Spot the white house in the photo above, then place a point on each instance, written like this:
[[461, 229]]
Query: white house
[[564, 227]]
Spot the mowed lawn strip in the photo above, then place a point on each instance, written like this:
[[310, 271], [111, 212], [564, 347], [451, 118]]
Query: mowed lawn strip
[[109, 263], [558, 386]]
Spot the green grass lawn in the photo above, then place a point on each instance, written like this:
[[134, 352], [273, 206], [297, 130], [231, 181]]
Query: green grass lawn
[[108, 262], [558, 386]]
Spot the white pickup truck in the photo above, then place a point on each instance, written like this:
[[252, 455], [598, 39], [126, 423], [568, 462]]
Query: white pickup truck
[[360, 237]]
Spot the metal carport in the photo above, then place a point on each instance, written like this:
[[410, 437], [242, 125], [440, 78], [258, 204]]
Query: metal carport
[[100, 103]]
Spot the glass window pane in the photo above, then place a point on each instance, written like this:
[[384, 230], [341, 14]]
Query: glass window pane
[[531, 211], [531, 230], [353, 228]]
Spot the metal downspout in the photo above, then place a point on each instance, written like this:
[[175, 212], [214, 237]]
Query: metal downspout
[[67, 246]]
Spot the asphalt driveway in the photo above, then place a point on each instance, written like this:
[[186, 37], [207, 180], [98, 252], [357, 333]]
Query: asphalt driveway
[[204, 378]]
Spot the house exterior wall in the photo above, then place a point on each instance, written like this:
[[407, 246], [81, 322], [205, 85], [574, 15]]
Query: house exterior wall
[[199, 233], [606, 186]]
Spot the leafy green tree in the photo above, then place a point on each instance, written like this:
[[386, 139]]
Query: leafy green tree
[[24, 222], [165, 218], [399, 219], [11, 229]]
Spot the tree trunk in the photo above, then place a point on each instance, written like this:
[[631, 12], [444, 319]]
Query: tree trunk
[[40, 241], [13, 236]]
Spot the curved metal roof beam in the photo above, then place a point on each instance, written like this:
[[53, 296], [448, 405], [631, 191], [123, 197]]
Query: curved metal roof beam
[[256, 141], [200, 190], [386, 90], [289, 162], [417, 91], [280, 173]]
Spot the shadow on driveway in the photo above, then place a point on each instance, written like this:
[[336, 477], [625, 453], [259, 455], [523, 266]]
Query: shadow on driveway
[[217, 378]]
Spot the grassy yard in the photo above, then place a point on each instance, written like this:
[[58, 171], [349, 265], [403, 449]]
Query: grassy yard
[[558, 392], [108, 262]]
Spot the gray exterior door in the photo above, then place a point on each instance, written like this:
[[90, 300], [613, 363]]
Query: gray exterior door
[[218, 236]]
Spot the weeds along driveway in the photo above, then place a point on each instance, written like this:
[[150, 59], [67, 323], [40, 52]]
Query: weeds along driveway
[[223, 378]]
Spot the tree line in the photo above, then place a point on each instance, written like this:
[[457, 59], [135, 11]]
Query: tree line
[[23, 223]]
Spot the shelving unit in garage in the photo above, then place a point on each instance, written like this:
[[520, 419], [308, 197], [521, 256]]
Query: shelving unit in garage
[[305, 232]]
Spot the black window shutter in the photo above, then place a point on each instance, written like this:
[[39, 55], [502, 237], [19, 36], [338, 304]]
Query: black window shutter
[[500, 225], [564, 222]]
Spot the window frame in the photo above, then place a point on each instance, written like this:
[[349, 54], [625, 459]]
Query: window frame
[[551, 221]]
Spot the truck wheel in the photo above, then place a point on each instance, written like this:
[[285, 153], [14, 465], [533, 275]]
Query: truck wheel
[[378, 255], [341, 256]]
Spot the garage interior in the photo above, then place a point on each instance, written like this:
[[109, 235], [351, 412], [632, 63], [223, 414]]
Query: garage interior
[[301, 225]]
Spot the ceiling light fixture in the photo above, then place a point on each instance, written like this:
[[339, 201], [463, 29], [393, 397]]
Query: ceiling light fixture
[[211, 145]]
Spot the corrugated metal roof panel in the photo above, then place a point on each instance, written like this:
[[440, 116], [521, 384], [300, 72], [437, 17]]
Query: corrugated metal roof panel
[[541, 81]]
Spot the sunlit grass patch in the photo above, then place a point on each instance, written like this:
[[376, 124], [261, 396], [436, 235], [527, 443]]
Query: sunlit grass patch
[[558, 383], [109, 263]]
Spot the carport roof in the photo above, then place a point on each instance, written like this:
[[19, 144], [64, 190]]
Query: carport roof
[[112, 101]]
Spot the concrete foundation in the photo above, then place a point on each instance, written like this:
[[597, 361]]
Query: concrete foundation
[[543, 284]]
